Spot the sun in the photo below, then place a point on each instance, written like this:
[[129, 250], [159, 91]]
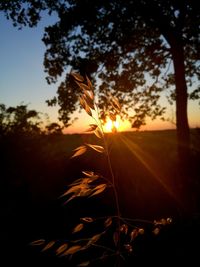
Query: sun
[[111, 126], [115, 126]]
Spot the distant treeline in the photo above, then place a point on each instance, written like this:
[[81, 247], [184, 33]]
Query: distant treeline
[[20, 120]]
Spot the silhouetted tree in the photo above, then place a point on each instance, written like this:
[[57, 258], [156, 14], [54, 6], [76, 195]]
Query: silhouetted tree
[[129, 45], [54, 128], [19, 120], [3, 116]]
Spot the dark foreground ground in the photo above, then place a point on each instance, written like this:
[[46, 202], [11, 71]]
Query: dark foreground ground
[[36, 171]]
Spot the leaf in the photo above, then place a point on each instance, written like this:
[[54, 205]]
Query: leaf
[[85, 191], [156, 231], [89, 83], [94, 239], [116, 101], [78, 228], [97, 148], [88, 110], [163, 221], [160, 222], [72, 197], [83, 264], [115, 238], [61, 249], [99, 189], [85, 180], [48, 246], [79, 151], [87, 219], [72, 250], [141, 231], [115, 104], [90, 94], [134, 234], [73, 189], [79, 147], [98, 133], [79, 190], [76, 182], [90, 174], [128, 247], [88, 100], [100, 186], [169, 220], [124, 229], [38, 242], [108, 222], [83, 86], [112, 116], [82, 101], [77, 76], [89, 180], [92, 127]]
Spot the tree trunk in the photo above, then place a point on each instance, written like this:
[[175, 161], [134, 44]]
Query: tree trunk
[[182, 126], [183, 132]]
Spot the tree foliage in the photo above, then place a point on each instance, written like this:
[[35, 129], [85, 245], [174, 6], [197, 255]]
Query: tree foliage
[[128, 45], [54, 128], [19, 120]]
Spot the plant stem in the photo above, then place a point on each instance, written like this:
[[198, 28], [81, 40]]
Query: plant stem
[[113, 183]]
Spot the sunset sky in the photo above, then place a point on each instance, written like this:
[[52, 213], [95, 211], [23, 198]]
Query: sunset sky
[[22, 77]]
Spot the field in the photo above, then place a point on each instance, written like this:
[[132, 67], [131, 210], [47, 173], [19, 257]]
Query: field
[[35, 172]]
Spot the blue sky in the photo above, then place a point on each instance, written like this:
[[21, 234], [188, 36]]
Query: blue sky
[[22, 77]]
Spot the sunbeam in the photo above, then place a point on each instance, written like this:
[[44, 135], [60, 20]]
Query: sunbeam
[[149, 164]]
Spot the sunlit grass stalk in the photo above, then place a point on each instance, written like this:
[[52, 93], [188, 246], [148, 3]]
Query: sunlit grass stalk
[[113, 182], [91, 185]]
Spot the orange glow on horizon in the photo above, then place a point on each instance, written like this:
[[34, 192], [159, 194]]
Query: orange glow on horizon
[[82, 124], [118, 125]]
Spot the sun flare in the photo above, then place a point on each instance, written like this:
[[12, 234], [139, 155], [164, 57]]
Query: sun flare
[[116, 126]]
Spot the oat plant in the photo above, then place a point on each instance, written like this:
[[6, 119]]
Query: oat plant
[[115, 235]]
